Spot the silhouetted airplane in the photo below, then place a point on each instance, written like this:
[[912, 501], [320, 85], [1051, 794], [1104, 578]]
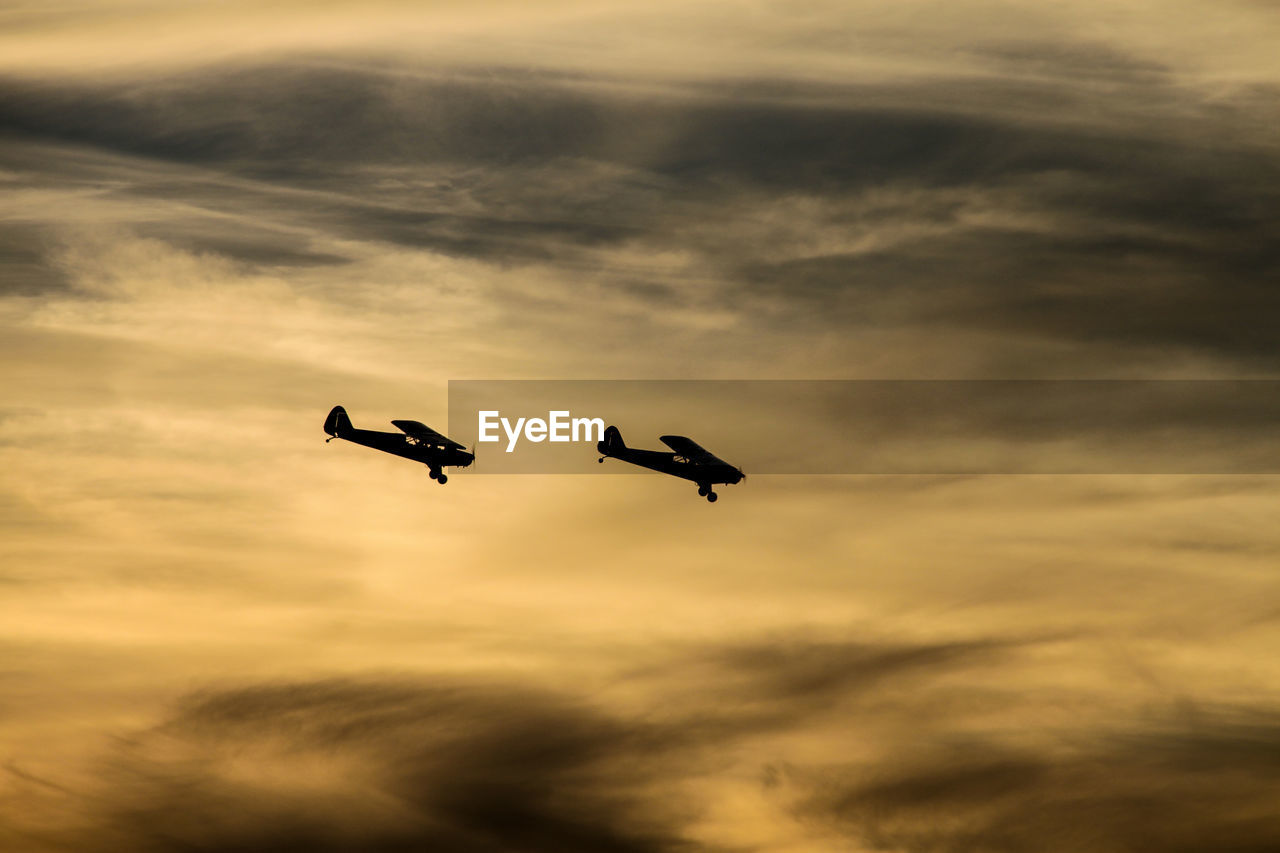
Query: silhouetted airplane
[[689, 461], [415, 441]]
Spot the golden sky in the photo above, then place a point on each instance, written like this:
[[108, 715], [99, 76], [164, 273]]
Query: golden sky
[[217, 220]]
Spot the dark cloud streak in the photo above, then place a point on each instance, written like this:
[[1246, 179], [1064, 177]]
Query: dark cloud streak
[[416, 767], [1163, 789], [1144, 229], [367, 764]]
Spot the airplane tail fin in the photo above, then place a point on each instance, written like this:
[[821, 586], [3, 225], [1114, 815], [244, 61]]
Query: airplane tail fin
[[612, 442], [337, 424]]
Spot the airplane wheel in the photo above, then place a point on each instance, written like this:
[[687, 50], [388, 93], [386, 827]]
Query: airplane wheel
[[601, 460], [702, 491], [442, 479], [711, 496], [432, 473]]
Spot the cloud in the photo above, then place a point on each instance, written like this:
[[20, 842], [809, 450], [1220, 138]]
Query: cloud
[[896, 746], [815, 674], [1122, 222], [23, 258], [219, 220], [451, 764], [1171, 785], [385, 765]]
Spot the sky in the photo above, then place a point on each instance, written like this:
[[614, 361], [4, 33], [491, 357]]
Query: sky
[[218, 220]]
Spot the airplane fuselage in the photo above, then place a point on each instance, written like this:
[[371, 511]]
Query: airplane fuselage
[[399, 444], [671, 463]]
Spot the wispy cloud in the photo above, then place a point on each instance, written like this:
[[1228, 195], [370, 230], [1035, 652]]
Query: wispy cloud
[[1205, 783], [218, 220], [916, 757]]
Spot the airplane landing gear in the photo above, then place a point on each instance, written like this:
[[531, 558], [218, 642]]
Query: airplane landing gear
[[433, 473], [442, 479], [601, 460], [702, 490], [711, 497]]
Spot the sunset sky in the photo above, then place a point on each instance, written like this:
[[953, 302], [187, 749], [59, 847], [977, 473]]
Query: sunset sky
[[218, 220]]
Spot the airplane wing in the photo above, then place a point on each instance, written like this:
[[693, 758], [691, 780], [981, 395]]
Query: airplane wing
[[690, 449], [423, 434]]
